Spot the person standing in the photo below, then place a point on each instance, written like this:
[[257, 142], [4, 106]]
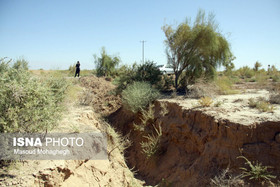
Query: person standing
[[77, 69]]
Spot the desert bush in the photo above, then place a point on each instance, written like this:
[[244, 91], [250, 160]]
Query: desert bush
[[205, 101], [245, 72], [224, 85], [147, 114], [226, 179], [146, 117], [21, 64], [166, 82], [126, 76], [138, 95], [28, 104], [261, 105], [147, 72], [202, 89], [151, 146], [256, 171]]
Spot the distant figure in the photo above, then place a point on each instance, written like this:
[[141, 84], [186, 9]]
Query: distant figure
[[77, 69]]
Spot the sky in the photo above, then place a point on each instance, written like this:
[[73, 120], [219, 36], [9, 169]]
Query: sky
[[54, 34]]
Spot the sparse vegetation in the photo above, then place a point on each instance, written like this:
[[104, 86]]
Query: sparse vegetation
[[224, 85], [138, 95], [261, 105], [164, 111], [256, 171], [205, 101], [151, 146], [226, 179], [218, 104]]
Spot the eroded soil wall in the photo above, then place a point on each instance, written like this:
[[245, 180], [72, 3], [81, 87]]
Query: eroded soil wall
[[195, 147]]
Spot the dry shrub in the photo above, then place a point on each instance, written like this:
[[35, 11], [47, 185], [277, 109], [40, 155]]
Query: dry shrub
[[261, 104], [227, 179], [151, 146], [205, 101], [202, 89]]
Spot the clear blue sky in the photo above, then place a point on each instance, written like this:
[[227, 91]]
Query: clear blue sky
[[53, 34]]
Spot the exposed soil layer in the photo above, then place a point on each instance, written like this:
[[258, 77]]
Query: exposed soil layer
[[195, 146]]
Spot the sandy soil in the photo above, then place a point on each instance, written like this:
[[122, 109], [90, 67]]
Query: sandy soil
[[234, 108]]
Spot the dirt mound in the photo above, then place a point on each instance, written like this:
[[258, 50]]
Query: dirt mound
[[99, 93]]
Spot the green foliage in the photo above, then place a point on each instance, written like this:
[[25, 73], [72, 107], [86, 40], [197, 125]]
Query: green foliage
[[245, 72], [147, 72], [138, 95], [28, 104], [151, 146], [106, 64], [199, 48], [21, 64], [126, 76], [256, 171], [257, 66]]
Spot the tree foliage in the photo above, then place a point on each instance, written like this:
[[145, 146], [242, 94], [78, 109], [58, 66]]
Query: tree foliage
[[106, 64], [197, 49]]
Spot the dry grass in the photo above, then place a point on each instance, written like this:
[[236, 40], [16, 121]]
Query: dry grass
[[226, 179], [205, 101], [261, 105], [164, 111], [151, 146]]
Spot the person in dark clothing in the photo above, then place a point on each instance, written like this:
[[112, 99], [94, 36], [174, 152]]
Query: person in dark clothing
[[77, 69]]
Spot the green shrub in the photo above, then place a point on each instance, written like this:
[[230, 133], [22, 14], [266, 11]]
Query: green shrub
[[28, 104], [126, 75], [138, 95], [147, 72], [245, 72], [21, 64], [256, 171]]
